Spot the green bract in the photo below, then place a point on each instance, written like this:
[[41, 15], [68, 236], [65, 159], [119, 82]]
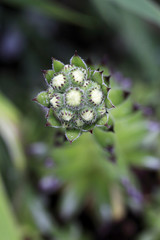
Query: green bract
[[76, 97]]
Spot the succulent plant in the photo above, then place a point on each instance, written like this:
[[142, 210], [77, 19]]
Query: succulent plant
[[76, 97]]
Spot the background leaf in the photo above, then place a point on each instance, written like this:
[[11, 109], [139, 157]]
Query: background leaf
[[10, 121], [8, 225], [55, 10], [146, 9]]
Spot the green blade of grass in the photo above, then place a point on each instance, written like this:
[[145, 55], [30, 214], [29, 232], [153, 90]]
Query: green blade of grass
[[8, 227], [57, 11], [10, 122], [143, 8]]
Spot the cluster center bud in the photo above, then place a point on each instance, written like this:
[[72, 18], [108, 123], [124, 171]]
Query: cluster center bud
[[74, 97]]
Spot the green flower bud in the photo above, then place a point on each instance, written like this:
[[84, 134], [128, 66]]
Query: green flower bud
[[74, 98], [43, 99], [65, 115], [79, 76], [77, 97], [88, 115], [56, 101], [59, 82]]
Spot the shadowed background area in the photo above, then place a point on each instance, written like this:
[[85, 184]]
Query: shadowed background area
[[49, 189]]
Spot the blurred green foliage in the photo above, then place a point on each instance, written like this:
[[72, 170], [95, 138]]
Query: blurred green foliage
[[143, 8], [56, 10], [10, 231]]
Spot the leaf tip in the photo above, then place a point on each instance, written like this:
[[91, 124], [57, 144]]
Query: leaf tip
[[126, 94], [91, 131], [44, 71], [106, 125], [34, 99], [47, 124], [107, 79], [76, 53]]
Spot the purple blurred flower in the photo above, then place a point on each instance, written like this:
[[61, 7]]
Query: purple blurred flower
[[49, 163], [124, 82], [12, 44], [154, 126], [132, 191], [38, 148], [49, 184]]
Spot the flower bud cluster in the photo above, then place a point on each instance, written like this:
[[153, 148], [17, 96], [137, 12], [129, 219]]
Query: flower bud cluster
[[75, 97]]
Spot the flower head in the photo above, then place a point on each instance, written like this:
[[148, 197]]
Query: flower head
[[76, 97]]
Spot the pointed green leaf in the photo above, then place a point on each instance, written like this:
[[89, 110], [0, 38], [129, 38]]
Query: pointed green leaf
[[110, 121], [107, 80], [97, 77], [72, 134], [43, 99], [88, 127], [84, 164], [104, 138], [116, 96], [103, 120], [131, 133], [105, 90], [103, 67], [48, 75], [52, 120], [78, 61], [108, 103], [89, 73], [122, 110], [57, 65]]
